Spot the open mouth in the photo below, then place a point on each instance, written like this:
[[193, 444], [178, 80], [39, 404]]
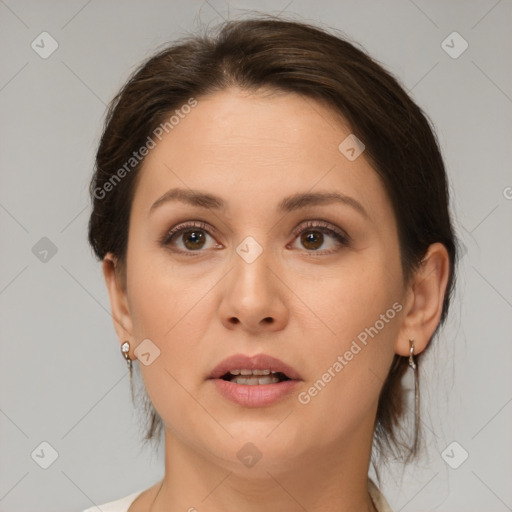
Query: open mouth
[[255, 380]]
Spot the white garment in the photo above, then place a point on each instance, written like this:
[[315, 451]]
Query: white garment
[[123, 504]]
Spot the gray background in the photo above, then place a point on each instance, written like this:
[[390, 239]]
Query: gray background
[[63, 380]]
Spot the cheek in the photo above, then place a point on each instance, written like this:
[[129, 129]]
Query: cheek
[[361, 320], [166, 311], [152, 310], [351, 298], [172, 309], [348, 372], [160, 295]]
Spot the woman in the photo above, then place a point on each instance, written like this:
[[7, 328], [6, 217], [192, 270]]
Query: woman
[[272, 215]]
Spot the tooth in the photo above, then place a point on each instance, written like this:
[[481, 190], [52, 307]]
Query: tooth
[[261, 372], [250, 372], [268, 380], [253, 381]]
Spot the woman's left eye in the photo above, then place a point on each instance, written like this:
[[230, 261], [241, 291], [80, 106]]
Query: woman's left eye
[[312, 236]]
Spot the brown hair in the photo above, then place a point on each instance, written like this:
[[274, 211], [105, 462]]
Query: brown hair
[[269, 52]]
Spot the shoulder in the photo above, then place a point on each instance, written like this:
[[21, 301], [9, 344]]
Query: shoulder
[[378, 498], [119, 505]]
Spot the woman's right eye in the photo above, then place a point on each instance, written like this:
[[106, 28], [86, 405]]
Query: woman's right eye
[[192, 237]]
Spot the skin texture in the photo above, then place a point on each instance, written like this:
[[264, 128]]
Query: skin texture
[[254, 149]]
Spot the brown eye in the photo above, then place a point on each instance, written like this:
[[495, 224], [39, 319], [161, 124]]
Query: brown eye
[[189, 238], [193, 240], [312, 239], [316, 235]]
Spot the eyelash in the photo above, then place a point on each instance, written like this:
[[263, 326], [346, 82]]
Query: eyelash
[[323, 227]]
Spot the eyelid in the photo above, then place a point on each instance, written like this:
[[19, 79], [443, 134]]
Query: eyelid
[[321, 225], [318, 224], [182, 226]]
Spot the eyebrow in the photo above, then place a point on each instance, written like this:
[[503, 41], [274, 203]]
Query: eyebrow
[[288, 204]]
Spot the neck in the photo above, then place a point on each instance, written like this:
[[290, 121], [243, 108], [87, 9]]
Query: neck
[[327, 477]]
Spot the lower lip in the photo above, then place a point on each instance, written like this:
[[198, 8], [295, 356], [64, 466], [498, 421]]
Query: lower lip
[[255, 396]]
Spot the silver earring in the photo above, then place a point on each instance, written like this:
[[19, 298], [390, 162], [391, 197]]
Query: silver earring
[[125, 349], [412, 364]]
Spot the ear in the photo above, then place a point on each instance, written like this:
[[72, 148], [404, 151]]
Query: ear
[[424, 300], [116, 286]]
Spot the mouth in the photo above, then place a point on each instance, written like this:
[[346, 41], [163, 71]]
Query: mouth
[[257, 381], [254, 377], [260, 369]]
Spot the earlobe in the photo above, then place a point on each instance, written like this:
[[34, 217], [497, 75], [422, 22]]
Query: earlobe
[[425, 300], [118, 299]]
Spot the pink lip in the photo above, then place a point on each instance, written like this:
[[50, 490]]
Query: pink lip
[[254, 396], [261, 394], [257, 362]]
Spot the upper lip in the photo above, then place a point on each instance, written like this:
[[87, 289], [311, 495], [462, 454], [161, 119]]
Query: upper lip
[[257, 362]]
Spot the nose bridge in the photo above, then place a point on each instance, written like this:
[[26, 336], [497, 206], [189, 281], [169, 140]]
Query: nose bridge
[[252, 295], [252, 274]]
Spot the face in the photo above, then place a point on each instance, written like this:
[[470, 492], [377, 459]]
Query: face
[[316, 284]]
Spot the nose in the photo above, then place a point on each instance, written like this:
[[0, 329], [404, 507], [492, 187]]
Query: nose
[[254, 296]]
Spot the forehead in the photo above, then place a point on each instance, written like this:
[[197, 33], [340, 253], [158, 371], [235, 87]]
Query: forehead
[[263, 124], [256, 147]]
